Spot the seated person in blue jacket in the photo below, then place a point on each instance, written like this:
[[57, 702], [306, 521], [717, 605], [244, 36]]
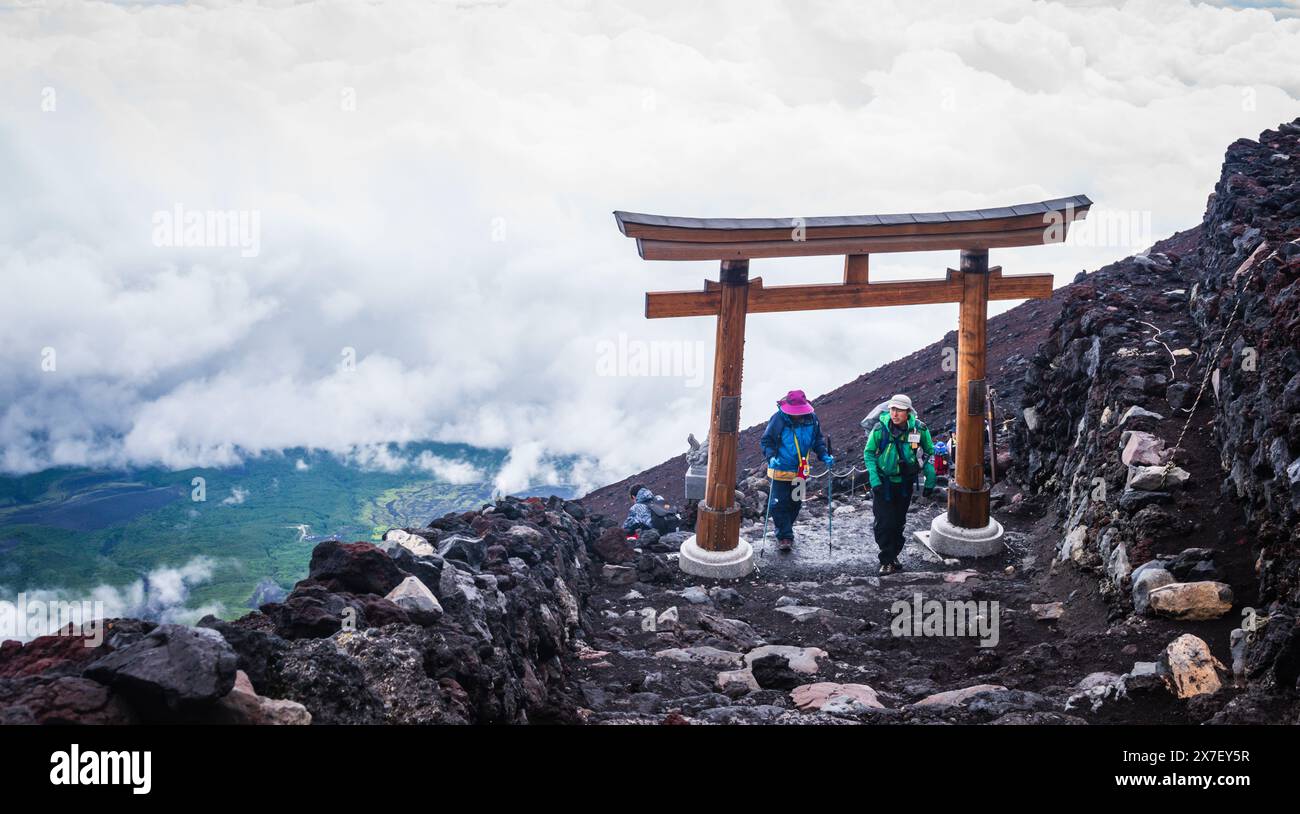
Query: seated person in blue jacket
[[639, 516], [792, 436]]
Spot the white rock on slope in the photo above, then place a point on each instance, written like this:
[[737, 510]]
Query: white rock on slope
[[800, 659], [412, 594], [413, 543], [1155, 478]]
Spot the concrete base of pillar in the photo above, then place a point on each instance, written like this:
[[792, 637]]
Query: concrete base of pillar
[[948, 540], [733, 564]]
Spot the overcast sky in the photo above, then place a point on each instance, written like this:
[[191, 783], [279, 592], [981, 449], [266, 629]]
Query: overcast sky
[[426, 190]]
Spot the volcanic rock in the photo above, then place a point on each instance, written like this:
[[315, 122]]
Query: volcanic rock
[[174, 665]]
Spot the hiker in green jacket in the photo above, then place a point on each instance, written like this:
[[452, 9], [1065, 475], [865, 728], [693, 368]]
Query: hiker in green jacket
[[898, 450]]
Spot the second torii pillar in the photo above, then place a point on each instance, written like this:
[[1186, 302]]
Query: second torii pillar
[[716, 550], [967, 530]]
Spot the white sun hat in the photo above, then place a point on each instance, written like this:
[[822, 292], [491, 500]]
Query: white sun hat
[[901, 402]]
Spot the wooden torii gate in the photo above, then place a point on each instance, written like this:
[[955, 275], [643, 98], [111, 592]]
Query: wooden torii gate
[[966, 530]]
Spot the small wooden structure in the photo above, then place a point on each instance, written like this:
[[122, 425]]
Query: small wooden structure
[[734, 242]]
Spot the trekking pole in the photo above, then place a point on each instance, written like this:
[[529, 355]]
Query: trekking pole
[[993, 442], [830, 511], [766, 515]]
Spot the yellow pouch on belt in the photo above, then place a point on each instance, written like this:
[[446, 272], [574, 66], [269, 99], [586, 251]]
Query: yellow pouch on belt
[[801, 471]]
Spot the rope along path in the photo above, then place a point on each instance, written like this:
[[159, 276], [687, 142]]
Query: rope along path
[[1210, 368]]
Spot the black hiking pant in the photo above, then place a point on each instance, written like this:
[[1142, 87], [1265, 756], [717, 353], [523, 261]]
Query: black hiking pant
[[889, 504]]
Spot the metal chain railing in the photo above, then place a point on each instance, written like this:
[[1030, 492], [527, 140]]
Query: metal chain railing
[[847, 473], [1211, 365]]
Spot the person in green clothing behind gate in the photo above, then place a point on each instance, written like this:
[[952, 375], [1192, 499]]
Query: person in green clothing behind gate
[[898, 449]]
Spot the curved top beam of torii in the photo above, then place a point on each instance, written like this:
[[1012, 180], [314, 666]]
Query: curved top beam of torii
[[664, 237], [967, 530]]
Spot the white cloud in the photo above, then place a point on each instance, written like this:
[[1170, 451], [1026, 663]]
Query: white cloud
[[237, 496], [161, 596], [453, 232], [525, 466], [449, 469], [340, 306]]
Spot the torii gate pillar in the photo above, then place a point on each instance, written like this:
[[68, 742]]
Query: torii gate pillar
[[716, 550], [967, 530]]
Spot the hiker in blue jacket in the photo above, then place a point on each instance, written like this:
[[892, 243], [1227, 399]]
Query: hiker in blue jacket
[[792, 437]]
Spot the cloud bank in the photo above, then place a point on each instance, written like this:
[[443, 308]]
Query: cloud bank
[[422, 245]]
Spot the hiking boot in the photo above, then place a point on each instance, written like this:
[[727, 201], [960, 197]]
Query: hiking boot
[[785, 544], [886, 568]]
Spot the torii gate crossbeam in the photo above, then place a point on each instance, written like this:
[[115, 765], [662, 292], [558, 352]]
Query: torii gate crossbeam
[[966, 530]]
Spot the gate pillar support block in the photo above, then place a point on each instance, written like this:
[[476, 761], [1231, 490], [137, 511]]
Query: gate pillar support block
[[950, 540], [730, 564]]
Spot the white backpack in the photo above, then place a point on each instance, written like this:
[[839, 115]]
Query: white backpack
[[874, 416]]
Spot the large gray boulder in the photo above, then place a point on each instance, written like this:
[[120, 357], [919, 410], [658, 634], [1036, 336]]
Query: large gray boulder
[[174, 665], [1145, 580]]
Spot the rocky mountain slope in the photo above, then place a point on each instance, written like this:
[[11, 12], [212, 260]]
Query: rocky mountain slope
[[1164, 425], [1149, 575], [467, 621]]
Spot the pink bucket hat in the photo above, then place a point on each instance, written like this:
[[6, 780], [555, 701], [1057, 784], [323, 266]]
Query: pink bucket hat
[[795, 403]]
